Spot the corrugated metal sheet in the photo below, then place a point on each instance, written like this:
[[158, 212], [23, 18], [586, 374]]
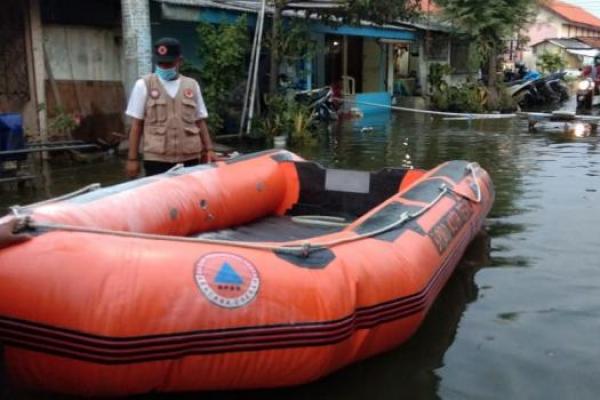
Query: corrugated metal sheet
[[570, 44]]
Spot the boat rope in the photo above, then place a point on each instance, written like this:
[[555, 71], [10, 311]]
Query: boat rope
[[458, 116], [297, 249], [86, 189]]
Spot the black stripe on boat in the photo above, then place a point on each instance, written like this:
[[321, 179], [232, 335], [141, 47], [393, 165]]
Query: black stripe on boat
[[127, 350]]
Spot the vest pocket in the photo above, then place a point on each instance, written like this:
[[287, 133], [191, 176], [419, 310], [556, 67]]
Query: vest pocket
[[189, 111], [155, 139], [157, 111], [191, 141]]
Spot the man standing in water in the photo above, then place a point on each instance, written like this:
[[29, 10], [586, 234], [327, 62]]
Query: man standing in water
[[168, 110]]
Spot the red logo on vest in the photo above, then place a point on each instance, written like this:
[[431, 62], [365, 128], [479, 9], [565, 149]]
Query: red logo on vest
[[154, 93], [162, 50], [189, 93]]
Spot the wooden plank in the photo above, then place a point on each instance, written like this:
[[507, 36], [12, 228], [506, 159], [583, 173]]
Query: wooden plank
[[48, 148], [18, 178]]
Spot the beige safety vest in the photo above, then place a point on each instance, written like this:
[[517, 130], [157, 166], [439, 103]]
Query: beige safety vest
[[170, 131]]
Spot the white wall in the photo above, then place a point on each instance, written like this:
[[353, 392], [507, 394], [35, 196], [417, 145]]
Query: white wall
[[83, 53]]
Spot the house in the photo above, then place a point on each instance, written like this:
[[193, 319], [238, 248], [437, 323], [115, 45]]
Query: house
[[359, 57], [62, 57], [575, 52], [558, 20]]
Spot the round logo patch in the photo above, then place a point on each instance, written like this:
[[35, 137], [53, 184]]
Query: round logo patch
[[227, 280], [154, 93], [189, 93], [162, 50]]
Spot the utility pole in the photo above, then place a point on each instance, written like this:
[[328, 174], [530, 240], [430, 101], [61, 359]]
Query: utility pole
[[137, 41]]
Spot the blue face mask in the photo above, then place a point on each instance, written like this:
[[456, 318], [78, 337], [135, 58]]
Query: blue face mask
[[166, 74]]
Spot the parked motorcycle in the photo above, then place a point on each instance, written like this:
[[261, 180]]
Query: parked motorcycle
[[539, 91], [587, 94], [319, 100]]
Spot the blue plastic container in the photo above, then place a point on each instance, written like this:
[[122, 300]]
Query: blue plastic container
[[12, 136]]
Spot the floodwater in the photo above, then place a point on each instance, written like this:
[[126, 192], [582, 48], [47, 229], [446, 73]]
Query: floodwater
[[520, 319]]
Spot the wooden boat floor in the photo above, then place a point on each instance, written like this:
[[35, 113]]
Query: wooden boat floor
[[271, 229]]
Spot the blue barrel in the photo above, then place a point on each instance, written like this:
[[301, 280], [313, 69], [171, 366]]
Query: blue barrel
[[12, 136]]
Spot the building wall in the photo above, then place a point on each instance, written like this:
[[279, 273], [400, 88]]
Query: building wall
[[574, 31], [83, 53], [571, 60], [546, 25], [26, 105]]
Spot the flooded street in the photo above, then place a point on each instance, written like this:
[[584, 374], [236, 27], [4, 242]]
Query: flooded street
[[520, 319]]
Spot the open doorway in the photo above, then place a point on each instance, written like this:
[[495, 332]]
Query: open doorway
[[334, 60]]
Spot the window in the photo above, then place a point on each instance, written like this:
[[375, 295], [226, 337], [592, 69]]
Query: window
[[436, 46], [459, 57]]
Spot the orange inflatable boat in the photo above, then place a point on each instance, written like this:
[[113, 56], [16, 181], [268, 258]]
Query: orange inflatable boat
[[261, 271]]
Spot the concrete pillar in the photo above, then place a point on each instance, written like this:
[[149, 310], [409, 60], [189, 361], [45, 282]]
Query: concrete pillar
[[137, 41], [37, 49]]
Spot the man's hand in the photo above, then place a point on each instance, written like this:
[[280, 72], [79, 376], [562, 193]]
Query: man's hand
[[132, 169], [7, 232], [210, 156]]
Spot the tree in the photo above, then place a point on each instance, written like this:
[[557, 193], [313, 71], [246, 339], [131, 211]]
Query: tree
[[223, 50], [348, 11], [551, 62], [488, 23]]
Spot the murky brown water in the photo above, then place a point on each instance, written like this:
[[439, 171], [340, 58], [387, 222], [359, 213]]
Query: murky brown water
[[519, 319]]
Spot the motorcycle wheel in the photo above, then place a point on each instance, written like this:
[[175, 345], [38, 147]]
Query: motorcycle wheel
[[564, 93], [524, 99]]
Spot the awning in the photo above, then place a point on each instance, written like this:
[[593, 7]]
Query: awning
[[584, 53]]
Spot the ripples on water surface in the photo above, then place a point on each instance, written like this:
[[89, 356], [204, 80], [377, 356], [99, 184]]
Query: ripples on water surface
[[521, 317]]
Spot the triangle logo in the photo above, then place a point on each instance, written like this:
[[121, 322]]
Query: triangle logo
[[228, 276]]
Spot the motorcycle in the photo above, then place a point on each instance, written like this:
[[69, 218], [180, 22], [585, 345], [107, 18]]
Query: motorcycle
[[320, 101], [539, 90], [587, 94]]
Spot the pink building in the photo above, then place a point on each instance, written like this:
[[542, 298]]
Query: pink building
[[559, 20]]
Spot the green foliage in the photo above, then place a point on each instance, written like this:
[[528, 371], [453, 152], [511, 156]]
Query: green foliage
[[437, 75], [470, 97], [551, 62], [506, 102], [294, 40], [62, 124], [285, 116], [488, 22], [223, 51]]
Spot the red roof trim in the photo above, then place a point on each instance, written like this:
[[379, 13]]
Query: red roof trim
[[573, 13]]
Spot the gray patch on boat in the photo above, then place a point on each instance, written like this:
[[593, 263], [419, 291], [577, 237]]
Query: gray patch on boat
[[340, 180]]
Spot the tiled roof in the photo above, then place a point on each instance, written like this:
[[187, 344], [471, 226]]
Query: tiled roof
[[573, 13]]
